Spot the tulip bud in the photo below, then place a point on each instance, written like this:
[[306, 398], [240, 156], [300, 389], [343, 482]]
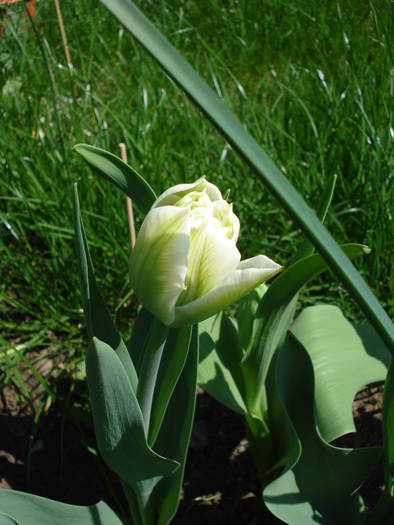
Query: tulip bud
[[185, 265]]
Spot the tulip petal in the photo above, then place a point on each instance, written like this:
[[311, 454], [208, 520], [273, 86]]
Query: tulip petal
[[173, 194], [248, 275], [158, 262], [212, 256]]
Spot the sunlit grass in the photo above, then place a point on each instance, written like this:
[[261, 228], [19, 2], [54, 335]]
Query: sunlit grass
[[311, 83]]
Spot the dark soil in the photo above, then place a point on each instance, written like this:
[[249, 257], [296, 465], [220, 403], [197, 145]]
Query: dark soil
[[220, 486]]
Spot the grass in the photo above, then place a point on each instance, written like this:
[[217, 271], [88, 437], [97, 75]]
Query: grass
[[310, 81]]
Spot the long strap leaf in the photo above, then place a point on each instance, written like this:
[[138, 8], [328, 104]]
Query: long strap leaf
[[98, 320], [119, 173], [179, 69], [174, 436]]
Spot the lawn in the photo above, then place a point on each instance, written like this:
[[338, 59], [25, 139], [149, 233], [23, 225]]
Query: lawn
[[312, 83]]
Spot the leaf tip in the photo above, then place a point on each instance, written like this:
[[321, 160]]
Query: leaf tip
[[77, 148]]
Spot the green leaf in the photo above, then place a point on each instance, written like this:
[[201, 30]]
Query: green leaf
[[246, 312], [320, 481], [341, 363], [235, 133], [6, 520], [27, 509], [388, 431], [373, 343], [173, 439], [213, 375], [306, 247], [119, 173], [273, 318], [118, 421], [150, 364], [171, 366], [229, 350], [384, 510], [98, 320], [139, 337]]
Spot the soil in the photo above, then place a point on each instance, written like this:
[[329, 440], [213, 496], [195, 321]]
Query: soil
[[54, 457]]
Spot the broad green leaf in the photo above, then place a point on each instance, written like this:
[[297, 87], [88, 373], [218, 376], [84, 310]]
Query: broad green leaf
[[373, 343], [119, 173], [320, 481], [273, 318], [27, 509], [98, 320], [6, 520], [173, 439], [118, 421], [236, 134], [342, 366], [171, 365], [213, 375]]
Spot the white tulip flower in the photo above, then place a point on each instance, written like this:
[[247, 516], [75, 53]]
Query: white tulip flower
[[185, 265]]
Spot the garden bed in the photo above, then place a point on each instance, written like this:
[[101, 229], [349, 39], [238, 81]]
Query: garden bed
[[220, 485]]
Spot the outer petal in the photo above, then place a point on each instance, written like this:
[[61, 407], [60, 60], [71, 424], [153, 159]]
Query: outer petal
[[211, 258], [248, 275], [158, 262], [175, 193]]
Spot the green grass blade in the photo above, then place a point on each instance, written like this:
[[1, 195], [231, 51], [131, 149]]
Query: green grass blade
[[119, 173], [306, 247], [235, 133]]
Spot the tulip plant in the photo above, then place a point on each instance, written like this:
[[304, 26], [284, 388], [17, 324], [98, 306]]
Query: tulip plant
[[289, 378], [184, 267], [293, 378], [291, 374]]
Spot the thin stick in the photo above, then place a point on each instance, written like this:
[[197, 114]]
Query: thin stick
[[129, 203], [64, 38]]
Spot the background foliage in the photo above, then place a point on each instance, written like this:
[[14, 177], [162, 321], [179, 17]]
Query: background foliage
[[311, 82]]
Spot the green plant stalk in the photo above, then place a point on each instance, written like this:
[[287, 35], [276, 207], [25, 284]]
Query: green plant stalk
[[140, 511], [234, 132], [262, 448]]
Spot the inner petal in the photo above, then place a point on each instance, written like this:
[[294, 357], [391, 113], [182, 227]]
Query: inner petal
[[212, 256]]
